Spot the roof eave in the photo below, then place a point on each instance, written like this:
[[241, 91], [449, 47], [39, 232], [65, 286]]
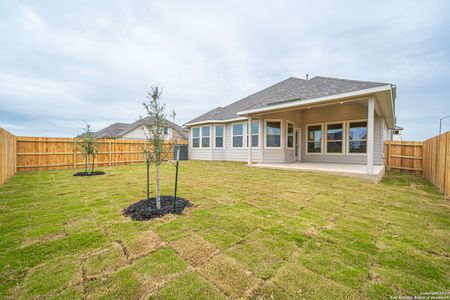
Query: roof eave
[[307, 102], [214, 121]]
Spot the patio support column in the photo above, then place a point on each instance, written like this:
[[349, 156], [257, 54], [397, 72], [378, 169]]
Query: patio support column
[[370, 133], [249, 138]]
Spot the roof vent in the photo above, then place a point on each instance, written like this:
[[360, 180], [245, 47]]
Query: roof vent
[[307, 75]]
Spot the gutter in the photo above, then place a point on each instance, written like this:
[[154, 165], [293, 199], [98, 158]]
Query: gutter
[[215, 121]]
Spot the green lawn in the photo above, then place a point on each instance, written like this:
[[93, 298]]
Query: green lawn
[[251, 233]]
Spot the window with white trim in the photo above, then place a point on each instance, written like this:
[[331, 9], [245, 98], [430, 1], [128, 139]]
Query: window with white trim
[[255, 134], [335, 137], [314, 141], [238, 135], [219, 129], [290, 135], [357, 137], [196, 137], [273, 134], [205, 136], [166, 131]]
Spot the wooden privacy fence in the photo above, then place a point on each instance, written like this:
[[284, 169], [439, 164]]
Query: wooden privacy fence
[[404, 155], [430, 158], [7, 155], [42, 153], [436, 154]]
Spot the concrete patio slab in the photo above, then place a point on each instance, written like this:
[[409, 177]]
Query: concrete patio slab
[[351, 170]]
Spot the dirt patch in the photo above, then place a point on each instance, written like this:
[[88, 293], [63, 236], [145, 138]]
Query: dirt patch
[[230, 277], [141, 244], [145, 209], [104, 262], [89, 173], [195, 249]]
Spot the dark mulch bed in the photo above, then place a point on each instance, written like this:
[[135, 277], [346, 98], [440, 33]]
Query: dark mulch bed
[[87, 174], [145, 209]]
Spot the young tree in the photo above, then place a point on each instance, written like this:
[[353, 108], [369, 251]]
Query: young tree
[[89, 146], [155, 131]]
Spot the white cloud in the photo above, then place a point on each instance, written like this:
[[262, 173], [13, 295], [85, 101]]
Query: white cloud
[[93, 62]]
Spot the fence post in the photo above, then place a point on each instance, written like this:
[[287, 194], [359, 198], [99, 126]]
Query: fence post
[[109, 156], [389, 156], [74, 154]]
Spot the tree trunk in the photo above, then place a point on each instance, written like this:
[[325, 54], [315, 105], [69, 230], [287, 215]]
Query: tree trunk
[[158, 199], [93, 163], [88, 165], [148, 178]]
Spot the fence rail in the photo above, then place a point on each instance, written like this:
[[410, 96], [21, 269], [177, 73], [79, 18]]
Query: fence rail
[[404, 155], [41, 153]]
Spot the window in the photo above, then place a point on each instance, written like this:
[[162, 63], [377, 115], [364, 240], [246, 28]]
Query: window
[[205, 137], [290, 135], [335, 138], [166, 131], [314, 139], [195, 137], [273, 134], [255, 134], [238, 135], [219, 136], [357, 137]]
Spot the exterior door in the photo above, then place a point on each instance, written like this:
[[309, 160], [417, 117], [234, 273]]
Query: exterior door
[[297, 139]]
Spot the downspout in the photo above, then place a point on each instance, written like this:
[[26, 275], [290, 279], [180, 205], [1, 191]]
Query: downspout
[[393, 97]]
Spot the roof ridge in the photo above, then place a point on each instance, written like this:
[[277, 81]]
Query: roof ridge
[[267, 88], [346, 79]]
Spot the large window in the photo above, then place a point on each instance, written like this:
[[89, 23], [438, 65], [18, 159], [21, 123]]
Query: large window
[[238, 135], [255, 134], [273, 134], [205, 137], [290, 135], [219, 136], [335, 138], [357, 137], [195, 137], [314, 139]]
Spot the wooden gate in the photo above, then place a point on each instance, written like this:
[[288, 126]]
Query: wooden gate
[[404, 155]]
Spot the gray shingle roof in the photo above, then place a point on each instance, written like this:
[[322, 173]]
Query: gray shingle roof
[[112, 131], [288, 90]]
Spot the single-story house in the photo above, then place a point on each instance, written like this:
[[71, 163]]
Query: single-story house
[[136, 131], [321, 120]]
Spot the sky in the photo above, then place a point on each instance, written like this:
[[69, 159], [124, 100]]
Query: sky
[[66, 62]]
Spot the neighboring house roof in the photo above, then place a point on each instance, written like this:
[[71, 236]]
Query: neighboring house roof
[[118, 130], [112, 131], [288, 90], [169, 124]]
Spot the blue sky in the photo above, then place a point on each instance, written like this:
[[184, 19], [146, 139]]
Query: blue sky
[[64, 62]]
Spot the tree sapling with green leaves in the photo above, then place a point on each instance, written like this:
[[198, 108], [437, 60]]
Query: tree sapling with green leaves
[[88, 144], [155, 131]]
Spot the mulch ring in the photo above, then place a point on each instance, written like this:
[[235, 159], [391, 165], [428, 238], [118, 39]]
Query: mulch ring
[[89, 174], [145, 209]]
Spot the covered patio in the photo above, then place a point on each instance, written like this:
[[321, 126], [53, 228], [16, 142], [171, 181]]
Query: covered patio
[[351, 170]]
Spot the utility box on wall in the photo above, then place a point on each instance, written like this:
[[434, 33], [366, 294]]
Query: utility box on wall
[[183, 152]]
